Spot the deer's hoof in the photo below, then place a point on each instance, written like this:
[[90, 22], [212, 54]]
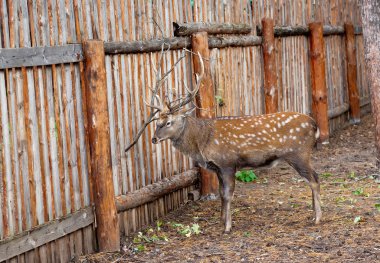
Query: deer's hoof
[[227, 231]]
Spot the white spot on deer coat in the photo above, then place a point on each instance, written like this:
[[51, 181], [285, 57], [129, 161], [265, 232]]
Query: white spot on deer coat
[[291, 130], [317, 134]]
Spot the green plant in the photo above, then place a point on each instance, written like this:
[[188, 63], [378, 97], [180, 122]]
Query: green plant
[[219, 101], [187, 230], [326, 175], [377, 206], [139, 248], [246, 176], [357, 219], [352, 175], [340, 199], [246, 234], [360, 191], [149, 237], [159, 224]]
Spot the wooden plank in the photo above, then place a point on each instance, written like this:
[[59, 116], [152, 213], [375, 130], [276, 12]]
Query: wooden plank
[[40, 56], [46, 233], [97, 114]]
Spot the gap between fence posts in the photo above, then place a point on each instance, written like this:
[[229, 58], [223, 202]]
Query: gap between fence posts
[[318, 80], [107, 232], [205, 100], [270, 71], [353, 92]]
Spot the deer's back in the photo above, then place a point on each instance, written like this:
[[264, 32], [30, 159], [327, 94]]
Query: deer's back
[[255, 140]]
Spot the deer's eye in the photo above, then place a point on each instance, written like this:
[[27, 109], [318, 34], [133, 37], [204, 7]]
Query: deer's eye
[[168, 123]]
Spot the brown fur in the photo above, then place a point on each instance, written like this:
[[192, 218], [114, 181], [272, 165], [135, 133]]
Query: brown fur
[[227, 144]]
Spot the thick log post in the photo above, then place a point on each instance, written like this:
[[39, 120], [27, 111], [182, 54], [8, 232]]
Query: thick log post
[[270, 72], [318, 80], [205, 100], [108, 234], [353, 92], [370, 13]]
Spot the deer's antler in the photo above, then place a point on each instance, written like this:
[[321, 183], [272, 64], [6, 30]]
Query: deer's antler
[[155, 97], [190, 94]]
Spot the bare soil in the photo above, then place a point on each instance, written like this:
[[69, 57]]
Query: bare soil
[[272, 218]]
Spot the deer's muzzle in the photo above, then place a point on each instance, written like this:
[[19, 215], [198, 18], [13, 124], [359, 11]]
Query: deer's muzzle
[[154, 140]]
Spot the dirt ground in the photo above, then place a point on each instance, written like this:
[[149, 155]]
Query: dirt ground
[[272, 218]]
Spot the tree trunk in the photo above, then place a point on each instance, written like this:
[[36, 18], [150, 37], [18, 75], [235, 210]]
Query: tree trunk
[[371, 34]]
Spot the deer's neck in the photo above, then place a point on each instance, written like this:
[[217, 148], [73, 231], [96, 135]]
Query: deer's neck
[[194, 137]]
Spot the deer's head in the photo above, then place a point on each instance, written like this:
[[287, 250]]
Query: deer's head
[[172, 117]]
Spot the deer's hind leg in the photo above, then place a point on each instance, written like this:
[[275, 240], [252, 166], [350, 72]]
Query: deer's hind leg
[[302, 166], [227, 187]]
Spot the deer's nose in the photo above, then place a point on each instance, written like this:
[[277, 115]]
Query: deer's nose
[[154, 140]]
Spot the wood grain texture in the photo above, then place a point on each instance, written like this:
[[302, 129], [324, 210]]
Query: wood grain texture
[[40, 56], [187, 29], [353, 92], [154, 191], [237, 74], [101, 169], [46, 233], [205, 100], [270, 71], [319, 90]]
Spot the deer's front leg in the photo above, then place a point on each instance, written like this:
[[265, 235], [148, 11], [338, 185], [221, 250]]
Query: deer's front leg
[[228, 187]]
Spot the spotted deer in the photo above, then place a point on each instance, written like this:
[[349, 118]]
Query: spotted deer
[[227, 144]]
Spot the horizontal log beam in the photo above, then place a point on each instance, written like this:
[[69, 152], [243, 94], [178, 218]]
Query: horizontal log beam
[[187, 29], [46, 233], [332, 30], [40, 56], [146, 45], [337, 111], [113, 48], [233, 41], [284, 31], [156, 190]]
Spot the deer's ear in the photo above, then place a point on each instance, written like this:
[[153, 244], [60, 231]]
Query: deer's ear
[[166, 107]]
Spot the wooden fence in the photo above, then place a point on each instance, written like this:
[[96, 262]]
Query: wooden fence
[[45, 188]]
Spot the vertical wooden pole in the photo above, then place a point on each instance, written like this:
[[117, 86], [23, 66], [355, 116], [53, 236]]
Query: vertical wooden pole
[[270, 71], [370, 14], [353, 92], [318, 80], [108, 234], [205, 100]]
